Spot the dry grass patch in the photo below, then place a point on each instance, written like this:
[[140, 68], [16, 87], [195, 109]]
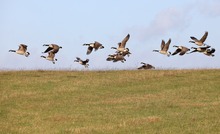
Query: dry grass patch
[[146, 101]]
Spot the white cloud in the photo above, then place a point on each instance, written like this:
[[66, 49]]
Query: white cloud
[[171, 19]]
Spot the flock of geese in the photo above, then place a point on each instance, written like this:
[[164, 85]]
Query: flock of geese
[[122, 51]]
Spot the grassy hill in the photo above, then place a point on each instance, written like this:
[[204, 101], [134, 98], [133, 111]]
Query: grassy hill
[[148, 101]]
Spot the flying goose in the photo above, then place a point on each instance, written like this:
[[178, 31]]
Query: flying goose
[[82, 62], [146, 66], [201, 41], [164, 48], [22, 50], [96, 45], [181, 50], [52, 47], [124, 53], [50, 57], [199, 49], [121, 45], [209, 52], [116, 57]]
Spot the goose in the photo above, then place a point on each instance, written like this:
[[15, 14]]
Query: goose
[[50, 57], [121, 45], [146, 66], [124, 53], [199, 42], [22, 50], [199, 49], [209, 52], [82, 62], [52, 47], [164, 48], [116, 57], [96, 45], [181, 50]]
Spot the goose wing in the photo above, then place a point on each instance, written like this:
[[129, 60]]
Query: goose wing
[[48, 49], [162, 44], [177, 51], [22, 47], [89, 50], [124, 41], [194, 38], [166, 47], [204, 37]]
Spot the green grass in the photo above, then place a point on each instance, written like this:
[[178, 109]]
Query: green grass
[[148, 101]]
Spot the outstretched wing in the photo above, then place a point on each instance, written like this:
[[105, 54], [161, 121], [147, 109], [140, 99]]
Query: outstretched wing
[[166, 47], [124, 41], [89, 50], [177, 51], [204, 37], [22, 47], [194, 38], [162, 44], [48, 49]]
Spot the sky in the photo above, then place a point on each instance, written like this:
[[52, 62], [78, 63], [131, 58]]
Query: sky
[[71, 23]]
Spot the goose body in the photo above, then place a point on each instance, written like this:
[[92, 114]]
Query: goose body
[[116, 57], [52, 48], [181, 50], [199, 42], [199, 49], [146, 66], [96, 45], [50, 57], [124, 53], [22, 50], [82, 62], [164, 48], [122, 44]]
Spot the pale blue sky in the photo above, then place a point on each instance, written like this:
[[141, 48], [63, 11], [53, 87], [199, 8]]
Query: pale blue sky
[[71, 23]]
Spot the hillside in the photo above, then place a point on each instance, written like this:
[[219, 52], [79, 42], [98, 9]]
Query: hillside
[[147, 101]]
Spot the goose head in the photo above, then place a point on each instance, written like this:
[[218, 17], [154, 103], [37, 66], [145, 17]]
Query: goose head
[[113, 48], [156, 50]]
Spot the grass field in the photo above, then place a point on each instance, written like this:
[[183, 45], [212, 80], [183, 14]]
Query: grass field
[[148, 101]]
